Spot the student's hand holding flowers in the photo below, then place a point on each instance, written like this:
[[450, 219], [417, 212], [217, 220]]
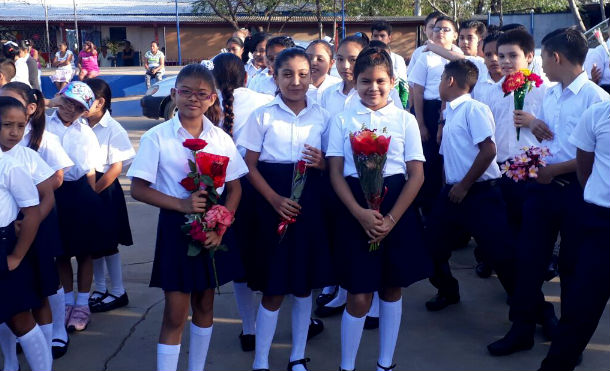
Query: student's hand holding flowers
[[212, 239], [314, 157], [373, 223], [545, 174], [523, 119], [195, 203], [285, 207]]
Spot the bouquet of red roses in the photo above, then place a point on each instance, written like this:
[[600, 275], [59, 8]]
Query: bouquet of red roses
[[370, 153], [525, 165], [520, 83], [207, 171], [299, 175]]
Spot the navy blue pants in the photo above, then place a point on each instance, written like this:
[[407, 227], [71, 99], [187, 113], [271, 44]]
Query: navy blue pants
[[548, 209], [585, 294], [433, 167], [481, 214]]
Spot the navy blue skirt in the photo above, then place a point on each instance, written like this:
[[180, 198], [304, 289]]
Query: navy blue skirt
[[302, 260], [116, 218], [401, 259], [45, 248], [174, 270], [18, 288], [80, 210]]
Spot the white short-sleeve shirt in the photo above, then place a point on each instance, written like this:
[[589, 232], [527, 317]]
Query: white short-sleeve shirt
[[399, 66], [416, 56], [334, 101], [315, 94], [592, 134], [17, 189], [279, 135], [31, 160], [562, 110], [251, 69], [162, 160], [114, 143], [50, 149], [427, 73], [599, 57], [468, 123], [263, 83], [80, 143], [405, 144]]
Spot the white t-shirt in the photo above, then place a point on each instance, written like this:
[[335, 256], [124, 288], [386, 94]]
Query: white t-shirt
[[427, 73], [17, 189], [22, 71], [50, 149], [279, 135], [599, 57], [31, 160], [405, 144], [562, 111], [592, 134], [162, 160], [315, 94], [114, 143], [468, 123], [263, 83]]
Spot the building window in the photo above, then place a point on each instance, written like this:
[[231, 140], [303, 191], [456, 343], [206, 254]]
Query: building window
[[118, 33]]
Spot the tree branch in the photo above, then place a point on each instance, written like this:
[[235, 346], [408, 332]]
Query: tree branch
[[436, 8]]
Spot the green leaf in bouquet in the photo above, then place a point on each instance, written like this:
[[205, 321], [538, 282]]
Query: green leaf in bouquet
[[192, 166], [185, 228], [194, 249], [207, 180], [213, 196]]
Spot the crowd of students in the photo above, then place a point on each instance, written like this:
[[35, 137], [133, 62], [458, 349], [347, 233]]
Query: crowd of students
[[272, 106]]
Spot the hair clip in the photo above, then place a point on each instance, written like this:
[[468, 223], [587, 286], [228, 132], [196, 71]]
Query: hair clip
[[358, 34], [208, 64]]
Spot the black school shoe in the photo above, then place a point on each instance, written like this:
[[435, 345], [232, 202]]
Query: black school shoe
[[519, 337], [59, 351], [441, 301], [324, 299], [93, 301], [315, 328], [117, 302], [298, 362], [248, 342], [324, 311]]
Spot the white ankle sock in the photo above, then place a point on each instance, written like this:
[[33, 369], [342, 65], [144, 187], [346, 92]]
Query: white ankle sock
[[8, 343], [36, 350], [99, 275], [339, 300], [301, 317], [329, 290], [351, 332], [374, 310], [390, 314], [58, 311], [266, 321], [82, 299], [167, 357], [115, 270], [198, 347], [47, 330], [69, 298], [246, 305]]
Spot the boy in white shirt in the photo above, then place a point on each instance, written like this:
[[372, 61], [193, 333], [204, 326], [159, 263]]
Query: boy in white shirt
[[382, 31], [597, 65], [471, 200]]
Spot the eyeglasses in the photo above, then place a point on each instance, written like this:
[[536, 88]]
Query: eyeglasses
[[200, 95], [442, 29]]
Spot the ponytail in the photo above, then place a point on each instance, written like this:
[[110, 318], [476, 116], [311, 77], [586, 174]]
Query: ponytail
[[37, 119], [227, 107]]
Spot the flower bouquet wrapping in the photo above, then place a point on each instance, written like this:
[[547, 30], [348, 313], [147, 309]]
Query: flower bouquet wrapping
[[299, 175], [207, 171], [520, 83], [370, 153], [525, 165]]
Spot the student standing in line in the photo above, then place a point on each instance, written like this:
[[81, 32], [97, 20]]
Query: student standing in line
[[255, 46], [322, 59], [264, 82]]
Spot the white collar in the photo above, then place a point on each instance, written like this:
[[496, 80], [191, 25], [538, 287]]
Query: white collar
[[385, 110], [177, 125], [280, 103], [575, 86], [105, 120], [459, 100]]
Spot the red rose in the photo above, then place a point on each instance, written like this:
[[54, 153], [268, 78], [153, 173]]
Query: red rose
[[301, 167], [197, 233], [195, 144], [364, 142], [383, 143], [214, 166], [188, 184]]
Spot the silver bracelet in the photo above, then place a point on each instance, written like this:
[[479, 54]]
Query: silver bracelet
[[391, 218]]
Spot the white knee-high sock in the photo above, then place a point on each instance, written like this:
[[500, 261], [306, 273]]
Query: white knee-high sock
[[47, 330], [246, 305], [167, 357], [198, 347], [99, 275], [115, 270], [374, 310], [301, 317], [36, 350], [8, 343], [390, 313], [339, 300], [266, 321], [351, 332], [58, 311]]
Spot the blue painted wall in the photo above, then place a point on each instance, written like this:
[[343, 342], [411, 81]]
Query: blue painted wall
[[121, 85]]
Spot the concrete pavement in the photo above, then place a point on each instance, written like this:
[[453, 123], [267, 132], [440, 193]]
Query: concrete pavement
[[453, 339]]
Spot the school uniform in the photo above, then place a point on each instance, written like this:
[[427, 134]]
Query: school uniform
[[335, 101], [50, 149], [78, 206], [549, 208], [264, 83], [418, 52], [315, 94], [401, 259], [115, 147], [585, 295], [251, 69], [482, 213], [162, 160], [399, 66], [600, 58], [301, 260], [17, 190]]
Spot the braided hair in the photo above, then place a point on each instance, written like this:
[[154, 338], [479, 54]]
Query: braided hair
[[229, 74]]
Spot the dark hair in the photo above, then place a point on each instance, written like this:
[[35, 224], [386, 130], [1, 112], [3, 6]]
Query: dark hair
[[152, 42], [379, 44], [252, 42], [570, 42], [372, 57], [492, 28], [10, 49], [491, 37], [362, 40], [101, 89], [448, 19], [24, 44], [521, 38], [37, 119], [7, 103], [230, 74], [479, 27], [513, 26], [7, 68], [326, 44], [431, 16], [285, 41], [382, 26], [235, 40], [286, 55], [198, 71], [464, 72]]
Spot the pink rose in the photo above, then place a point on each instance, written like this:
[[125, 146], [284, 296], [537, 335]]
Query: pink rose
[[220, 218], [197, 233]]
